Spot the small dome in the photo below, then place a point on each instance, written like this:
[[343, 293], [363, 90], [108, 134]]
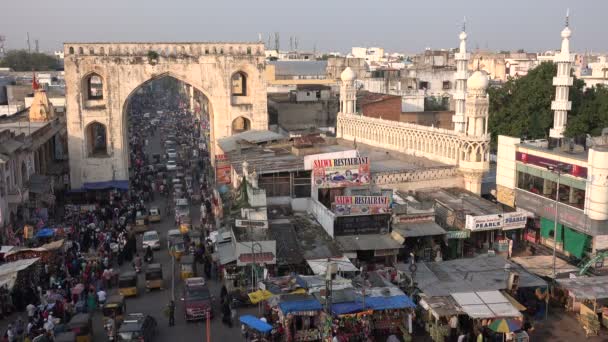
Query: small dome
[[566, 33], [463, 35], [348, 74], [479, 80]]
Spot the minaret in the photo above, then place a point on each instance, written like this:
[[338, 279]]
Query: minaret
[[462, 61], [562, 83], [477, 105], [348, 93]]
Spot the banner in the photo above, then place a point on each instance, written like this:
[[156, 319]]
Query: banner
[[361, 205], [222, 169], [505, 221], [341, 172]]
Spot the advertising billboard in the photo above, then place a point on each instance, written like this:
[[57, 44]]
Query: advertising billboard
[[222, 169], [361, 205], [341, 172]]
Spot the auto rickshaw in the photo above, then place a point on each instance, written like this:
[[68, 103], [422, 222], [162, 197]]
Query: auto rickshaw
[[177, 247], [196, 237], [154, 277], [141, 223], [114, 308], [185, 224], [154, 215], [82, 326], [187, 267], [127, 284]]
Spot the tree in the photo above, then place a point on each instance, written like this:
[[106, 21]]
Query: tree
[[22, 60]]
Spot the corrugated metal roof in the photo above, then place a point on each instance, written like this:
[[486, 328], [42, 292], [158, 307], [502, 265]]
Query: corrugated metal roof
[[367, 242], [414, 229], [299, 68], [229, 144]]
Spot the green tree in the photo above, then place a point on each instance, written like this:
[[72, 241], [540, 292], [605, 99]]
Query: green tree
[[22, 60], [591, 113]]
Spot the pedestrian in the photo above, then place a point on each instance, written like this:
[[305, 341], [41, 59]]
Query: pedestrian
[[171, 309], [223, 293], [226, 314]]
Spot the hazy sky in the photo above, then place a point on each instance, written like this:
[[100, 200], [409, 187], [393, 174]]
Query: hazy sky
[[333, 25]]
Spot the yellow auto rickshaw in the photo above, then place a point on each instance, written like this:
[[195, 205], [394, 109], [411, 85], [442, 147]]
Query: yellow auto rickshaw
[[196, 237], [154, 277], [82, 326], [114, 308], [187, 267], [177, 247], [141, 223], [185, 224], [154, 215], [67, 336], [127, 284]]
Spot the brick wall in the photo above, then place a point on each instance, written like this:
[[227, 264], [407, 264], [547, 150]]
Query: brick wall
[[388, 109]]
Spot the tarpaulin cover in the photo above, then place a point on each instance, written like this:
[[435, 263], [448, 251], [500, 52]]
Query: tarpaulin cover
[[255, 323], [346, 308], [575, 242], [259, 296], [45, 232], [386, 303], [117, 184], [300, 305]]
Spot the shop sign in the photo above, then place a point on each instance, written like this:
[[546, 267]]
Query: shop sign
[[222, 169], [458, 234], [514, 220], [341, 172], [484, 222], [251, 224], [526, 158], [361, 224], [385, 252], [600, 242], [361, 205]]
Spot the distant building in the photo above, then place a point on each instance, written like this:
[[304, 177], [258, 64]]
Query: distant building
[[371, 54]]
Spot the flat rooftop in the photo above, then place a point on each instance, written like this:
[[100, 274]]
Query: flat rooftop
[[457, 199], [26, 128]]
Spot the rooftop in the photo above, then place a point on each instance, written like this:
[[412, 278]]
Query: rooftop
[[457, 199], [299, 68]]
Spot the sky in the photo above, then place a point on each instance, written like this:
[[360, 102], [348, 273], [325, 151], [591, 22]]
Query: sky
[[329, 25]]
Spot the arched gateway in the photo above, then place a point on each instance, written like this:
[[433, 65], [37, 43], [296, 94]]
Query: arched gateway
[[101, 77]]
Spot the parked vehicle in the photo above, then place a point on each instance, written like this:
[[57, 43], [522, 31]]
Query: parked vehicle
[[127, 284], [154, 277], [137, 327], [154, 215], [197, 299]]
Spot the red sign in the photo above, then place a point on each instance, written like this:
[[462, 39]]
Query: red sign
[[259, 258], [575, 170], [222, 169]]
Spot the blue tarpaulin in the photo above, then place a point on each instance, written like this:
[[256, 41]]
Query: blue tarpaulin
[[255, 323], [346, 308], [386, 303], [45, 232], [117, 184], [300, 305]]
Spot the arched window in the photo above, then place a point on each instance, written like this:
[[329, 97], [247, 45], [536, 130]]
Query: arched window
[[221, 51], [71, 50], [249, 50], [91, 51], [102, 51], [97, 141], [239, 84], [240, 124], [94, 86], [81, 51], [206, 50]]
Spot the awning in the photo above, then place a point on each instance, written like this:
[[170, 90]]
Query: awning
[[51, 246], [387, 303], [319, 266], [117, 184], [542, 265], [346, 308], [300, 305], [586, 287], [513, 301], [415, 229], [256, 323], [10, 271], [486, 304], [368, 242], [441, 306]]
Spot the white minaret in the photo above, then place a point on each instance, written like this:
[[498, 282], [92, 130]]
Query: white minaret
[[477, 104], [348, 93], [462, 62], [562, 83]]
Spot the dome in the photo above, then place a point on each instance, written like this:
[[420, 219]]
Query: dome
[[566, 33], [463, 35], [348, 74], [479, 80]]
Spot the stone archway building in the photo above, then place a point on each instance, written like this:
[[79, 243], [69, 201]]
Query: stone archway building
[[101, 77]]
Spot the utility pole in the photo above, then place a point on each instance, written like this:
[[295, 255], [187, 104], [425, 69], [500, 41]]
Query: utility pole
[[277, 41], [29, 47], [36, 41], [173, 276]]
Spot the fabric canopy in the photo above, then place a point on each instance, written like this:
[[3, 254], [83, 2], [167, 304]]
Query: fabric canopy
[[259, 296], [387, 303], [300, 305], [45, 232], [346, 308], [117, 184], [256, 323], [575, 242]]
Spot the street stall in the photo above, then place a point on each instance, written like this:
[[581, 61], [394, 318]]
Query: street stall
[[437, 312], [256, 329], [587, 296], [390, 312], [300, 316]]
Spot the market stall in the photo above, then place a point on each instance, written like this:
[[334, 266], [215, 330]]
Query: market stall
[[437, 314], [391, 314], [300, 316], [256, 328], [587, 296]]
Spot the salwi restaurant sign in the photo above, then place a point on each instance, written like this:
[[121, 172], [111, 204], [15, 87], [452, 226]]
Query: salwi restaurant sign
[[505, 221], [361, 205], [341, 172]]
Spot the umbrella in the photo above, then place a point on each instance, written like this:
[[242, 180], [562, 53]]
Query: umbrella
[[45, 232], [505, 326]]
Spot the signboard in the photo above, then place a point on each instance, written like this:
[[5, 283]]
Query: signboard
[[458, 234], [600, 242], [341, 172], [251, 224], [363, 224], [361, 205], [505, 221], [309, 159], [222, 169], [260, 252]]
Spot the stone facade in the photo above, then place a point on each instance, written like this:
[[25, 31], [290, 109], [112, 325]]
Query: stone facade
[[124, 67]]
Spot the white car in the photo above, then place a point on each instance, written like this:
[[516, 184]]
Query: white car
[[152, 239], [171, 153], [171, 165], [171, 233]]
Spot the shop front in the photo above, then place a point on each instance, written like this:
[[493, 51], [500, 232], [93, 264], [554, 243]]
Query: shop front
[[569, 241], [301, 317]]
